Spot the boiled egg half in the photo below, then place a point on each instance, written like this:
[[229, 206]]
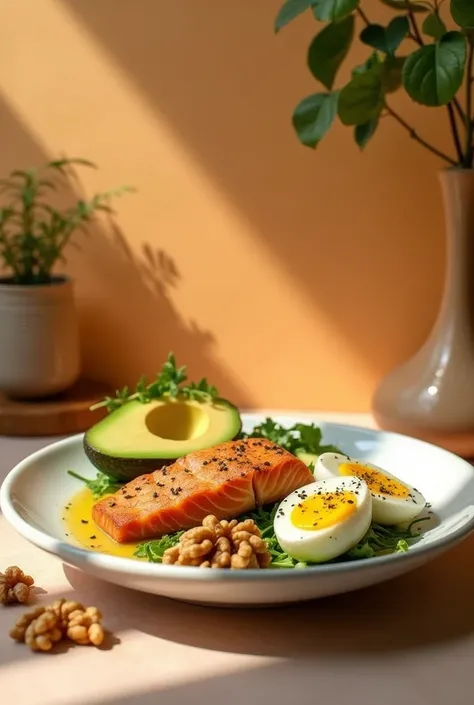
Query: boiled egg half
[[324, 519], [393, 501]]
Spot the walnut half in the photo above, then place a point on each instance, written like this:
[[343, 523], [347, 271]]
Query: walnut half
[[15, 586], [221, 544]]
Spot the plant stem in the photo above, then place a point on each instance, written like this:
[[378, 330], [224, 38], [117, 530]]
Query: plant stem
[[362, 14], [414, 135], [468, 157], [416, 31], [454, 130], [459, 109]]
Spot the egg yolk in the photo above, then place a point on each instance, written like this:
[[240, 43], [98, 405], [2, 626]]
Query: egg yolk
[[376, 481], [321, 511]]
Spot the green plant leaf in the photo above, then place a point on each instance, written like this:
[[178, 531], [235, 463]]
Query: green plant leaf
[[368, 65], [314, 116], [289, 11], [434, 73], [374, 36], [405, 5], [329, 49], [396, 32], [391, 73], [386, 39], [363, 133], [362, 99], [331, 10], [433, 26], [462, 12]]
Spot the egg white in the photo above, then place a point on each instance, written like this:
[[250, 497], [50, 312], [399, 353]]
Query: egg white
[[387, 509], [320, 545]]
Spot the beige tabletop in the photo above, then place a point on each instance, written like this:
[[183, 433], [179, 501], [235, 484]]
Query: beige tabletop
[[406, 642]]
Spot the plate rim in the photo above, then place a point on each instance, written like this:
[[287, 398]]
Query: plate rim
[[78, 556]]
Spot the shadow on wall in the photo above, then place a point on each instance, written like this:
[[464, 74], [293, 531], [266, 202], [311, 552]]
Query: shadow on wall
[[353, 230], [121, 293]]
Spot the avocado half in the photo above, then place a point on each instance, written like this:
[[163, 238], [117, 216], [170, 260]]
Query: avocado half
[[139, 437]]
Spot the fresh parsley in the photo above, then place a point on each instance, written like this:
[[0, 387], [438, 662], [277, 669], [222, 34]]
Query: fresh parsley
[[299, 438], [382, 540], [153, 550], [102, 485], [169, 382]]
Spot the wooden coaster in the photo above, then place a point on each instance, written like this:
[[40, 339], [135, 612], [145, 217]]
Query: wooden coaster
[[62, 414]]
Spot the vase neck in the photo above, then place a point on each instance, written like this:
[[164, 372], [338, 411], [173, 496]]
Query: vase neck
[[458, 198]]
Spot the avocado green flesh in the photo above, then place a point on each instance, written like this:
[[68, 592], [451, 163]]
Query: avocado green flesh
[[308, 458], [137, 438]]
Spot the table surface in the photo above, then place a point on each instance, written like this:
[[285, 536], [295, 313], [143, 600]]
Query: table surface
[[410, 640]]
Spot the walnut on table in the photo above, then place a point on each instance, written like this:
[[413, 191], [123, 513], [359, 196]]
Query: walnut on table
[[43, 627], [221, 544], [15, 586]]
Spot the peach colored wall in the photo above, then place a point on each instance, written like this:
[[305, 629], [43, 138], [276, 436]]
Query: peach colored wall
[[291, 278]]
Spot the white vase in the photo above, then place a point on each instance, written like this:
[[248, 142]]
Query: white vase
[[39, 338], [430, 396]]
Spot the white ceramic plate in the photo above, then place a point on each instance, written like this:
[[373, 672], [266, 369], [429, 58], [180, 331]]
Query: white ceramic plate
[[35, 491]]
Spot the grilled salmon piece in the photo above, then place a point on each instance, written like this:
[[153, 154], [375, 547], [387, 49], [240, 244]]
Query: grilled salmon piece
[[226, 480]]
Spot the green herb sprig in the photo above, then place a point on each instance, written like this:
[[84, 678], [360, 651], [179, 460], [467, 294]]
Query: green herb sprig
[[102, 485], [169, 382], [306, 438]]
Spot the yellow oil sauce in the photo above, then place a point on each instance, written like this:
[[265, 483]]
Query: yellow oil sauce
[[82, 529]]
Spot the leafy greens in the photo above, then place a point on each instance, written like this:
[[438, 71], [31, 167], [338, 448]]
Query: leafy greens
[[300, 438]]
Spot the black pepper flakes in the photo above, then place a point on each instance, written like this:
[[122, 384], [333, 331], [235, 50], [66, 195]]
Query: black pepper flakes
[[155, 495], [84, 521]]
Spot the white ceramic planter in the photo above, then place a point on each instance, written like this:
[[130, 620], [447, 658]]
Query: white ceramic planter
[[39, 339]]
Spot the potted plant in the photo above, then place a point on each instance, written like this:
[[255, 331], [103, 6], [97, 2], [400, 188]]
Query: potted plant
[[429, 395], [39, 339]]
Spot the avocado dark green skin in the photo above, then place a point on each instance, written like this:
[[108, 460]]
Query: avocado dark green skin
[[122, 469], [126, 469]]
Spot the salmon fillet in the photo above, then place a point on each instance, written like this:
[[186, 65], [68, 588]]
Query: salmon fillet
[[226, 480]]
